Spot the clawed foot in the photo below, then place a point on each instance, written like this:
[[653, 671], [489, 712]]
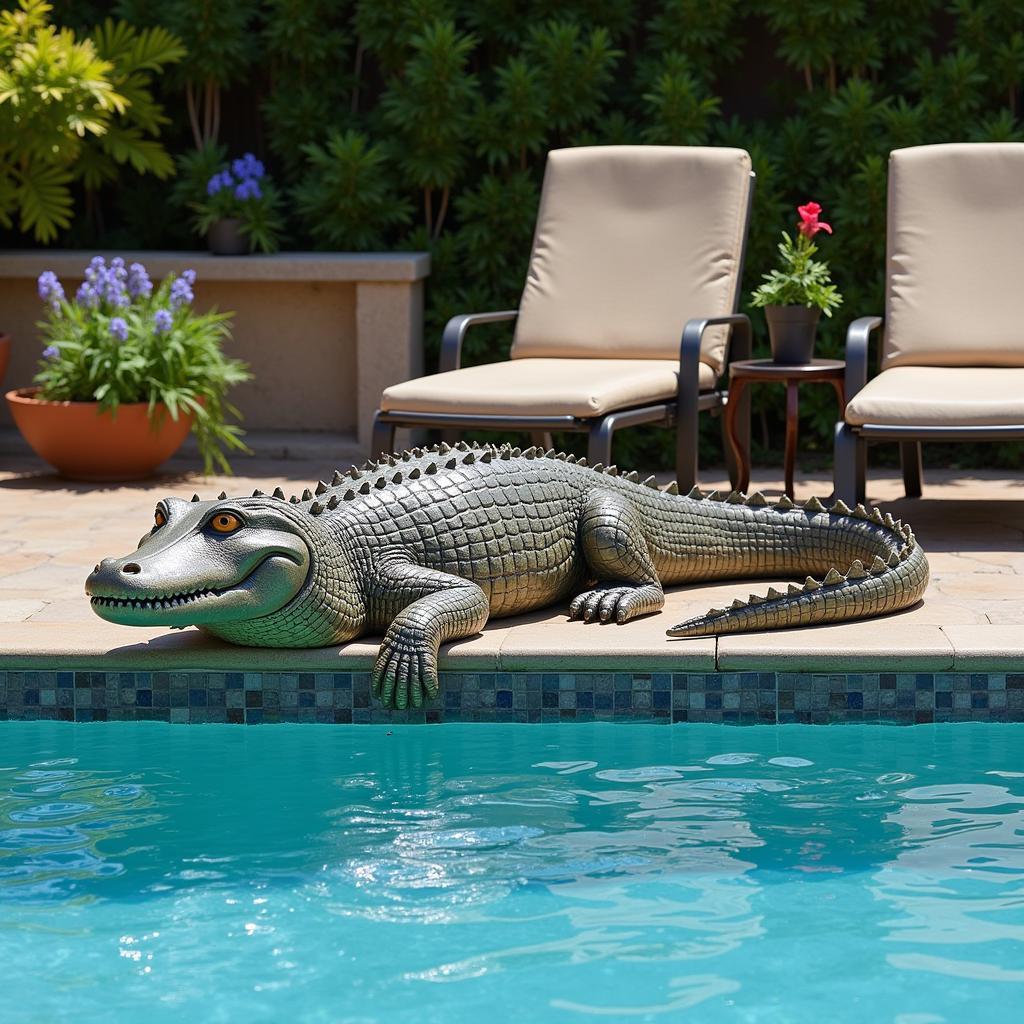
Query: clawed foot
[[405, 673], [617, 601]]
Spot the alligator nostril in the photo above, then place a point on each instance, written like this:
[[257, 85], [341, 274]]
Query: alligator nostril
[[131, 567]]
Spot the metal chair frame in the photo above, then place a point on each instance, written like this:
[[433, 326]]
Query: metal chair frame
[[851, 441], [682, 412]]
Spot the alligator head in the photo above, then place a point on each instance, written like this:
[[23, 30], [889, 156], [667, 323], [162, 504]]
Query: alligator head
[[220, 565]]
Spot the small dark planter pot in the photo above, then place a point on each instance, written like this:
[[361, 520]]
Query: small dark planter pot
[[792, 330], [225, 238]]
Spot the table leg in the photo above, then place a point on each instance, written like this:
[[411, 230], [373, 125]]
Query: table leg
[[792, 424], [741, 457]]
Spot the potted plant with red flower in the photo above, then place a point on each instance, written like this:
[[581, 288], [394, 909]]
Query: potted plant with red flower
[[795, 295]]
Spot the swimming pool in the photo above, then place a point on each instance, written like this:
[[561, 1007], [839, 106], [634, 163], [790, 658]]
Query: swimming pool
[[557, 873]]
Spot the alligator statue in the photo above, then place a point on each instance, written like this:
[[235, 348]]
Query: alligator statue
[[426, 546]]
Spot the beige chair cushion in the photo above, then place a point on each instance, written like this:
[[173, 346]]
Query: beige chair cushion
[[955, 292], [630, 243], [941, 396], [543, 387]]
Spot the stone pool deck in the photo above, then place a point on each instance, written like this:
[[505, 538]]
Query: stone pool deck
[[960, 653]]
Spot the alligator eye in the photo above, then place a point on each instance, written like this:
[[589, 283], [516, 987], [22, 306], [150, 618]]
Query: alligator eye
[[225, 522], [159, 518]]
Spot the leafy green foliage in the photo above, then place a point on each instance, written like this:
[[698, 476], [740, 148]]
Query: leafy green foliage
[[116, 345], [74, 109], [802, 281], [425, 124]]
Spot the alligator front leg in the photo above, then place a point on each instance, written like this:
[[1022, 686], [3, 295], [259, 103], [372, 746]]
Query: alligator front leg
[[424, 609], [616, 553]]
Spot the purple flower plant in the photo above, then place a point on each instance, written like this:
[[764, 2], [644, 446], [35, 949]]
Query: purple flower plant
[[181, 289], [119, 328], [163, 321], [51, 352], [139, 284], [87, 296], [50, 289], [249, 189], [247, 167]]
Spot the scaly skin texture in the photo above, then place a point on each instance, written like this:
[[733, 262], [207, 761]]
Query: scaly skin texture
[[426, 546]]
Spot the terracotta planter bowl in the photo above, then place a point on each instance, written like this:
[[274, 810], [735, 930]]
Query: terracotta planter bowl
[[82, 443], [5, 354]]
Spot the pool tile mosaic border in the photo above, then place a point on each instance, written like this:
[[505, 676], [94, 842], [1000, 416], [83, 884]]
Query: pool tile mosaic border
[[742, 698]]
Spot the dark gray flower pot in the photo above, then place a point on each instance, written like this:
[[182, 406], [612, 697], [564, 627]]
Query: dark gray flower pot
[[792, 330], [225, 238]]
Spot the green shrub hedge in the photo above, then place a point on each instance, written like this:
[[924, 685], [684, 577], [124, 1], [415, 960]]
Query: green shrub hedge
[[424, 124]]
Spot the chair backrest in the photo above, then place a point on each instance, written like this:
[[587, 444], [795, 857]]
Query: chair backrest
[[630, 243], [955, 272]]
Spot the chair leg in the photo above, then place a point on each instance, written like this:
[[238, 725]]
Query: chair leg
[[687, 442], [382, 438], [599, 441], [542, 439], [850, 469], [910, 460]]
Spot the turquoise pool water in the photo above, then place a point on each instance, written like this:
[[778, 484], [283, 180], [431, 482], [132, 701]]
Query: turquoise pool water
[[497, 873]]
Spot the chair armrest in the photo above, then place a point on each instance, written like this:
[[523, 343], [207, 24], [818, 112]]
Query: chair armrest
[[858, 339], [738, 347], [455, 331]]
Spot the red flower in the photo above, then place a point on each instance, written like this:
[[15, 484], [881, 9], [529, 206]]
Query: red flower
[[809, 224]]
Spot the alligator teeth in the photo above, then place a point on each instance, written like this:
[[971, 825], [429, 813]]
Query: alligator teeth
[[697, 494], [813, 505], [840, 508], [757, 500], [833, 577], [856, 570], [320, 487], [785, 503], [673, 488]]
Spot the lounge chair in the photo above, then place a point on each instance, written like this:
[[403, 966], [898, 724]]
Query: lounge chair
[[635, 248], [952, 356]]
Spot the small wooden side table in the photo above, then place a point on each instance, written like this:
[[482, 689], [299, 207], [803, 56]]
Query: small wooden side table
[[747, 370]]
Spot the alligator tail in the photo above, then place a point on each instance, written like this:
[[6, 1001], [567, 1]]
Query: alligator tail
[[879, 583]]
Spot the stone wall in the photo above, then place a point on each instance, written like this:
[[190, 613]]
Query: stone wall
[[324, 333]]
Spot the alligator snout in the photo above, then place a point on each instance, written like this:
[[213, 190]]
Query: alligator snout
[[113, 577]]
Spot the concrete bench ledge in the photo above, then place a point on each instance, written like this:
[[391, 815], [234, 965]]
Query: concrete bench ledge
[[280, 266]]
